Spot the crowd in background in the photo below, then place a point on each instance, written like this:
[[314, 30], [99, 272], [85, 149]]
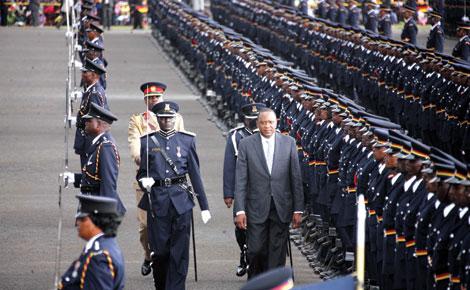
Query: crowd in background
[[52, 12]]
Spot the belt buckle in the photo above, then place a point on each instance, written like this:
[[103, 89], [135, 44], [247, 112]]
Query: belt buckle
[[167, 182]]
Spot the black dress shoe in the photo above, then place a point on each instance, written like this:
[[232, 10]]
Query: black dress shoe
[[146, 267], [241, 270]]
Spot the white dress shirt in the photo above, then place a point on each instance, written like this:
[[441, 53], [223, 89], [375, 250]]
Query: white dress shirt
[[268, 149]]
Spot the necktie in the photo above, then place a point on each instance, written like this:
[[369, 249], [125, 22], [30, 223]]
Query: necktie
[[269, 156]]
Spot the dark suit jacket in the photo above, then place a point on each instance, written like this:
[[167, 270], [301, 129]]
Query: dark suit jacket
[[255, 186]]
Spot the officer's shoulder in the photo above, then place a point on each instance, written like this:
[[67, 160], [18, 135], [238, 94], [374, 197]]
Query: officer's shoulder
[[149, 135], [187, 134], [236, 129]]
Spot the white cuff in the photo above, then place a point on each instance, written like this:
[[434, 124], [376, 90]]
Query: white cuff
[[240, 212]]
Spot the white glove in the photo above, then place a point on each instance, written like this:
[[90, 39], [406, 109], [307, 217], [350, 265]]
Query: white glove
[[76, 95], [70, 120], [78, 47], [206, 216], [147, 182], [69, 34], [67, 178], [78, 64]]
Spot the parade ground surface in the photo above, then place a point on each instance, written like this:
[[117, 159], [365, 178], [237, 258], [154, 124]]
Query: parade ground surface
[[33, 66]]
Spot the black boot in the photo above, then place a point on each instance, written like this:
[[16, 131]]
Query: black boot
[[242, 268]]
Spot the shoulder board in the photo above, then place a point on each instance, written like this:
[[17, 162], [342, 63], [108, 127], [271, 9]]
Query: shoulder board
[[236, 128], [188, 133], [145, 135]]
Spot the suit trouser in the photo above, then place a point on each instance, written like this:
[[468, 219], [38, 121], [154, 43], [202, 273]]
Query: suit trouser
[[169, 239], [267, 243], [142, 219]]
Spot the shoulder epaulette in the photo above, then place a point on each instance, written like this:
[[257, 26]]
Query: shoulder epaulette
[[145, 135], [188, 133], [236, 128]]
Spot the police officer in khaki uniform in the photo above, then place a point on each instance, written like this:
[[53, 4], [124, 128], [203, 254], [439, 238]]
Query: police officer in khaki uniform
[[141, 124]]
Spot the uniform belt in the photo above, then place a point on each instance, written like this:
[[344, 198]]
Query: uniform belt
[[429, 106], [390, 232], [320, 163], [352, 190], [421, 253], [87, 188], [455, 279], [170, 181], [410, 243], [400, 239], [332, 171], [312, 163], [441, 277], [407, 97]]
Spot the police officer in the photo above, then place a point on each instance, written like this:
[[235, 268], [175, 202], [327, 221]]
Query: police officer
[[250, 114], [436, 35], [410, 29], [94, 52], [100, 172], [370, 21], [140, 125], [94, 33], [462, 48], [385, 22], [94, 93], [101, 264], [169, 157], [354, 14]]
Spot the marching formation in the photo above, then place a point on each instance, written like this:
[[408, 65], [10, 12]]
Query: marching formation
[[416, 182], [422, 90], [322, 116]]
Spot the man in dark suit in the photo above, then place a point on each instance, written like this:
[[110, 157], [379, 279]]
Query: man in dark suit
[[268, 193], [250, 113]]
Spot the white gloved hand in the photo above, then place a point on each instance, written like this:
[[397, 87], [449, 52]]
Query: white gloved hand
[[147, 182], [68, 178], [69, 34], [70, 120], [76, 95], [206, 216], [78, 64], [78, 47]]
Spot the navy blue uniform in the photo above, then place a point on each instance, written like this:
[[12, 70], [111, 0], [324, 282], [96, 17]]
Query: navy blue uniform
[[230, 159], [100, 171], [436, 38], [462, 48], [371, 21], [93, 94], [169, 215], [410, 30], [100, 267], [354, 14], [385, 25]]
